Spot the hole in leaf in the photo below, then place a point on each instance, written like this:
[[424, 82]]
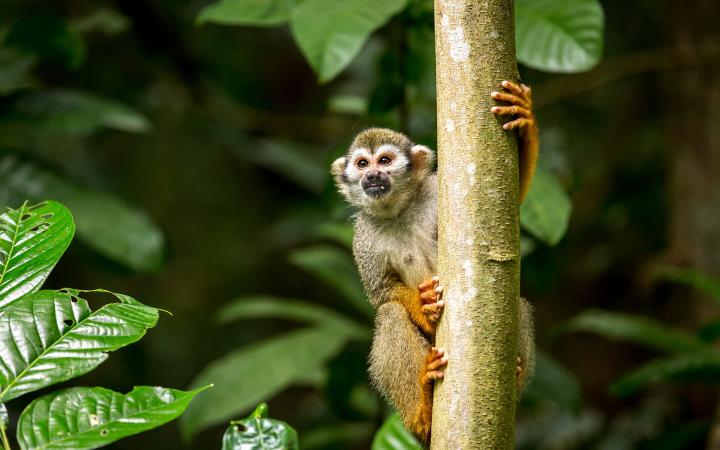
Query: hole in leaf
[[104, 432], [25, 216], [74, 299], [47, 216], [69, 322]]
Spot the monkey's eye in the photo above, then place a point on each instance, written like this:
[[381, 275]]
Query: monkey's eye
[[385, 160], [362, 163]]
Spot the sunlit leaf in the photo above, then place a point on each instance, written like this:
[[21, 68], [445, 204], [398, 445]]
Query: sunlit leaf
[[393, 435], [51, 336], [15, 73], [103, 20], [553, 383], [47, 37], [258, 432], [248, 12], [639, 329], [336, 268], [77, 112], [559, 35], [546, 210], [86, 418], [693, 278], [688, 368], [330, 33], [32, 240], [246, 376], [104, 222], [248, 308]]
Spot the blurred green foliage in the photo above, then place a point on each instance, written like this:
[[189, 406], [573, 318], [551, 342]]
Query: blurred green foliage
[[194, 159]]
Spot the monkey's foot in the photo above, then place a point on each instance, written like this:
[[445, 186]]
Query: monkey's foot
[[430, 298], [435, 362], [520, 372], [519, 98]]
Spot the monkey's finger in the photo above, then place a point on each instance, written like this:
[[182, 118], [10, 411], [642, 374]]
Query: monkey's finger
[[429, 297], [512, 87], [517, 123], [526, 91], [511, 111], [438, 363], [435, 375], [510, 98]]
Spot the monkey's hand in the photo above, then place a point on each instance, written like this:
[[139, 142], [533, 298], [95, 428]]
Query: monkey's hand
[[519, 98], [430, 298]]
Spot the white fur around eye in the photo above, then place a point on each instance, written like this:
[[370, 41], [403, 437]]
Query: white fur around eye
[[352, 171]]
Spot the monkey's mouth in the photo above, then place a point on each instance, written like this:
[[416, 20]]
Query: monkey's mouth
[[376, 189]]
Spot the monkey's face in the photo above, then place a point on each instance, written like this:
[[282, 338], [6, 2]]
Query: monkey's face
[[381, 171]]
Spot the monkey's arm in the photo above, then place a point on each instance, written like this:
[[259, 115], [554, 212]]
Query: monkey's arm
[[382, 284], [520, 99]]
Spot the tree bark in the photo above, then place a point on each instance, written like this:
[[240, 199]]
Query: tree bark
[[478, 239]]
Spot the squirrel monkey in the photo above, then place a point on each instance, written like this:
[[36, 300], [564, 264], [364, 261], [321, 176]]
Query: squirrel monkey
[[392, 182]]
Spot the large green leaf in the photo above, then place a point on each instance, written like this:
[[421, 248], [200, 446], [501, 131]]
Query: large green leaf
[[104, 222], [330, 33], [52, 336], [85, 418], [248, 12], [546, 209], [336, 268], [559, 35], [247, 308], [701, 367], [638, 329], [77, 112], [15, 73], [393, 435], [32, 240], [553, 384], [254, 373], [258, 432], [693, 278]]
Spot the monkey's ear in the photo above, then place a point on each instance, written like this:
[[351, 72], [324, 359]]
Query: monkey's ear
[[422, 156], [338, 166]]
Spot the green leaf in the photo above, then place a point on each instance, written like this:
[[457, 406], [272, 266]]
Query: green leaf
[[336, 268], [77, 112], [15, 73], [330, 33], [693, 278], [559, 35], [546, 210], [638, 329], [4, 418], [104, 222], [260, 13], [52, 336], [257, 432], [48, 37], [553, 383], [247, 308], [32, 240], [688, 368], [85, 418], [392, 435], [246, 376]]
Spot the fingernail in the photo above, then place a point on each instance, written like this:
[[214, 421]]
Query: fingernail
[[495, 94], [441, 303], [494, 109]]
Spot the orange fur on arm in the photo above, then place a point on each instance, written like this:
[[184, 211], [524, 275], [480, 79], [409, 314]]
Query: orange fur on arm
[[529, 149], [410, 299]]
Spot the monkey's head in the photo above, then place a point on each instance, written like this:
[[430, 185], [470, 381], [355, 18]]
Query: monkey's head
[[381, 170]]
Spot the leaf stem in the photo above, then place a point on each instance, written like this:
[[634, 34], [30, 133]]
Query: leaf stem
[[5, 442]]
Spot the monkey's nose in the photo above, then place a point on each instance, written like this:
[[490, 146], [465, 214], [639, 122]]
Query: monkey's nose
[[372, 175]]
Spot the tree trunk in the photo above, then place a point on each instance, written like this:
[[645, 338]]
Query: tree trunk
[[478, 239]]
